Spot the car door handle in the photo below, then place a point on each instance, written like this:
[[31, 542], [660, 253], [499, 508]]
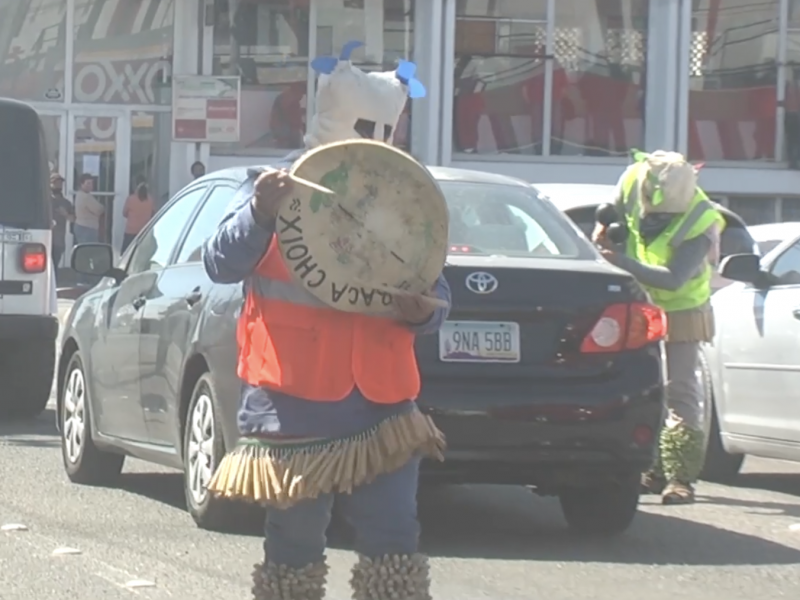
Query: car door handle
[[194, 296], [139, 302]]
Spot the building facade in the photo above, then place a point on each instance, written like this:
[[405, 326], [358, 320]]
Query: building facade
[[545, 90]]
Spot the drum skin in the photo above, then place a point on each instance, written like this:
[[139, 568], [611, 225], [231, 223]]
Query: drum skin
[[384, 228]]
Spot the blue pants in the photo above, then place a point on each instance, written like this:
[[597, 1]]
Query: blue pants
[[85, 235], [382, 513]]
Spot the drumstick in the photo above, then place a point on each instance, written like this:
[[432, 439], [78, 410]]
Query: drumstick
[[310, 184]]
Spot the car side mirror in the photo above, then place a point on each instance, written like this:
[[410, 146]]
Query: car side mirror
[[742, 267], [96, 260]]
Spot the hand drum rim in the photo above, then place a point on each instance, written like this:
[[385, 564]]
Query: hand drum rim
[[372, 293]]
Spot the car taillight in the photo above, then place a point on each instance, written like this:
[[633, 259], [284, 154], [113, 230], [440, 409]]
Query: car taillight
[[33, 258], [626, 327]]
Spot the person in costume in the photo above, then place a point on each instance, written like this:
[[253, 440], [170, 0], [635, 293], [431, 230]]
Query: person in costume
[[327, 409], [673, 235]]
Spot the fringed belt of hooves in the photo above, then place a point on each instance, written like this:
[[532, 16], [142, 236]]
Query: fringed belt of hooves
[[283, 473]]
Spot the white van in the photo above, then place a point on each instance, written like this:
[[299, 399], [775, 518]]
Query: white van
[[28, 319]]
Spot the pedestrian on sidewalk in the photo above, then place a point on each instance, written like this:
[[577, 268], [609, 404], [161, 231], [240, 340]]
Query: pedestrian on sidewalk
[[138, 210], [63, 212], [198, 169], [88, 212]]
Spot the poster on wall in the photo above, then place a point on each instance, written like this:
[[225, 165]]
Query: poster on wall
[[206, 108]]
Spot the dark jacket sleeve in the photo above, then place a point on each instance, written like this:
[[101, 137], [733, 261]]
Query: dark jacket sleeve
[[686, 262], [234, 251]]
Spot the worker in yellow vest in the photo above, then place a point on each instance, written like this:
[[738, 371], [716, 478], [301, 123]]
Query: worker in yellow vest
[[673, 230]]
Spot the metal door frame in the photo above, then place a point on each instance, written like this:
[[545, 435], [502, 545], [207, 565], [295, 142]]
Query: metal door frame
[[122, 159]]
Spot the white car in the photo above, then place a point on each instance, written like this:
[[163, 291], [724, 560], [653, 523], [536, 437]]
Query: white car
[[769, 235], [754, 360]]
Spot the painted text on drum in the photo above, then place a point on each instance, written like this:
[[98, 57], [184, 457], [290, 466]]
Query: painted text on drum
[[307, 269], [479, 341]]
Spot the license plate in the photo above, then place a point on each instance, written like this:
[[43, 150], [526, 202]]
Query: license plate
[[479, 342]]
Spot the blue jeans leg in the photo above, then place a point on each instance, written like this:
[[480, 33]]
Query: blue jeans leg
[[295, 536], [383, 513]]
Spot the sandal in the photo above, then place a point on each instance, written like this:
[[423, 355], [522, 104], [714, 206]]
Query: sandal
[[677, 493]]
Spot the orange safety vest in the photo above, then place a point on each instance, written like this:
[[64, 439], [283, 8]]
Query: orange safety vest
[[290, 342]]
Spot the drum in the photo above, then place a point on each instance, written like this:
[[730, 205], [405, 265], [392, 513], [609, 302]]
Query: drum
[[382, 231]]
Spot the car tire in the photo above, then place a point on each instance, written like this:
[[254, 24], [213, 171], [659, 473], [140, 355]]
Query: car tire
[[27, 377], [203, 449], [720, 466], [83, 461], [606, 509]]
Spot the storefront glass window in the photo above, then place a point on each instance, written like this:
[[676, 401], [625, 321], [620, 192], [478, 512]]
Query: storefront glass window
[[151, 136], [597, 88], [267, 42], [32, 49], [387, 29], [755, 210], [733, 80], [598, 93], [123, 51], [791, 119]]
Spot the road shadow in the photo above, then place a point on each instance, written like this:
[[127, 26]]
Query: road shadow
[[166, 488], [753, 507], [782, 483], [510, 523], [493, 522], [44, 425]]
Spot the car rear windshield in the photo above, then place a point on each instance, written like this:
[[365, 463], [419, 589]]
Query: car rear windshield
[[24, 195], [507, 220]]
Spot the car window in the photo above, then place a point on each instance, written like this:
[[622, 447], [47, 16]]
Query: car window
[[156, 245], [534, 234], [765, 246], [506, 220], [205, 223], [24, 195], [786, 268]]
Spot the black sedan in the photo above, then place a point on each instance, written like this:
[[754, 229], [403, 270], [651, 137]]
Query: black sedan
[[548, 373]]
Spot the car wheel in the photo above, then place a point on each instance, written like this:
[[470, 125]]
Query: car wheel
[[27, 377], [719, 466], [706, 389], [203, 449], [83, 461], [605, 509]]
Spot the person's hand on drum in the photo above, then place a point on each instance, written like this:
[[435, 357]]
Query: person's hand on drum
[[414, 309], [270, 189]]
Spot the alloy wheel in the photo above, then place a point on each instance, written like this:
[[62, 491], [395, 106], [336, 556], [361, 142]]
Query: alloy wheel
[[74, 429], [200, 451]]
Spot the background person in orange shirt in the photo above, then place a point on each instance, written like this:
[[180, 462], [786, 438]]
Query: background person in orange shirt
[[138, 210]]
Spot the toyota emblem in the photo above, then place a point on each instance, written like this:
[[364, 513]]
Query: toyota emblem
[[481, 282]]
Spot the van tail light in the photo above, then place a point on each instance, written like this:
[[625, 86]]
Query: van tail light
[[626, 327], [33, 258]]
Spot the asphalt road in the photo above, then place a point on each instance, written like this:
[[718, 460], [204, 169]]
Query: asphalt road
[[485, 541]]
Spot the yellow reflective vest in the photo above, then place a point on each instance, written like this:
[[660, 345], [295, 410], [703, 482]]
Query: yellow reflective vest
[[698, 218]]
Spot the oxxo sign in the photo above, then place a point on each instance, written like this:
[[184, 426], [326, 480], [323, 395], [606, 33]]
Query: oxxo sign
[[131, 82]]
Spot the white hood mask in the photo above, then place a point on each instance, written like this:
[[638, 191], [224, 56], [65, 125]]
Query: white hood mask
[[352, 103], [668, 182]]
